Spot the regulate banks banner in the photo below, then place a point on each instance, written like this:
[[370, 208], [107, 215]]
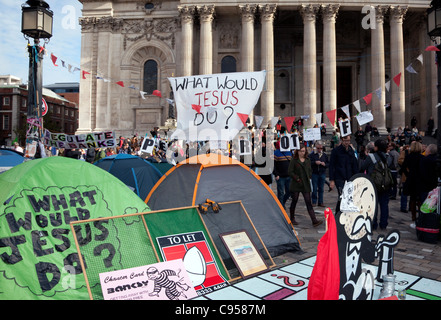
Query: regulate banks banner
[[215, 106], [104, 139]]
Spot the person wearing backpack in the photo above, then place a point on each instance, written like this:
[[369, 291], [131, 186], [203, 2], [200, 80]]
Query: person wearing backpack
[[377, 167]]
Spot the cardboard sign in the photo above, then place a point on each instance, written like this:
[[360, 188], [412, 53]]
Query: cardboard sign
[[215, 106], [364, 117], [345, 127], [312, 134], [80, 141], [160, 281], [147, 145], [289, 142]]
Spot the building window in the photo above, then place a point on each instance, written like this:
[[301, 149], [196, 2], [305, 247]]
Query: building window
[[5, 122], [228, 64], [6, 101], [150, 76]]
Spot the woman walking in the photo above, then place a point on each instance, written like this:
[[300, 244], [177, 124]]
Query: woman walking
[[300, 172]]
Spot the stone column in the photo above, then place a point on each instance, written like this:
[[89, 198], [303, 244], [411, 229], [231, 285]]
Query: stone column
[[378, 68], [329, 12], [398, 105], [267, 13], [86, 107], [187, 17], [247, 46], [309, 13], [206, 14]]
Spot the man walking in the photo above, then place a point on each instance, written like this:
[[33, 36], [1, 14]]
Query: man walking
[[319, 164]]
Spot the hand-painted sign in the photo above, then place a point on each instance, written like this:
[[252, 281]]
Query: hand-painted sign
[[104, 139], [215, 106]]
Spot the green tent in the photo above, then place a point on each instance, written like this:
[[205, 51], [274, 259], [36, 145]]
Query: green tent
[[38, 200]]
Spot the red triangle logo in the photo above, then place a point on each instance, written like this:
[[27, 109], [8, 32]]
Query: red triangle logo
[[196, 108]]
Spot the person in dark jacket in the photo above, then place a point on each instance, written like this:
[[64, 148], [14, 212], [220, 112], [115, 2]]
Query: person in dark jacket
[[343, 165], [411, 169], [379, 154], [281, 175], [319, 164], [429, 180], [90, 155], [300, 172]]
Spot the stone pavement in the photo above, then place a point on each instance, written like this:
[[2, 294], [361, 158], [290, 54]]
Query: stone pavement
[[411, 255]]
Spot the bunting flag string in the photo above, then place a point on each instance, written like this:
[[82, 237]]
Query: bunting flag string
[[259, 119]]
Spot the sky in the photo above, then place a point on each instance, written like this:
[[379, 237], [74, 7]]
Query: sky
[[65, 42]]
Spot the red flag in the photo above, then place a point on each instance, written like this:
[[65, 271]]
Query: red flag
[[368, 98], [289, 121], [243, 117], [397, 79], [331, 116], [84, 74], [120, 83], [54, 59], [324, 283], [195, 107], [157, 93], [432, 48]]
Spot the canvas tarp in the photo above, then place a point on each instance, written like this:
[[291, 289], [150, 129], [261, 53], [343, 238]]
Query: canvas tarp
[[38, 200], [223, 179]]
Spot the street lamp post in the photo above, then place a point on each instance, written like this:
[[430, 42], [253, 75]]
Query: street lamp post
[[434, 31], [36, 24]]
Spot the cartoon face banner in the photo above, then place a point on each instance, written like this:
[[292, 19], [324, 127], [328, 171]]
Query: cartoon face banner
[[215, 106]]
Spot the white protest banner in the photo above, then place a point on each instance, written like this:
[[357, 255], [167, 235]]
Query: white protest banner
[[160, 281], [312, 134], [345, 127], [289, 142], [147, 145], [364, 117], [104, 139], [232, 95]]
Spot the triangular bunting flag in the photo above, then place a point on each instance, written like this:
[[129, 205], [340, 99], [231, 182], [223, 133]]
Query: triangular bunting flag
[[357, 105], [378, 93], [120, 83], [346, 110], [274, 121], [196, 108], [397, 79], [432, 48], [143, 93], [258, 121], [387, 85], [170, 101], [63, 63], [318, 118], [84, 74], [420, 58], [69, 68], [368, 98], [76, 69], [289, 121], [243, 117], [157, 93], [54, 59], [410, 69], [331, 116]]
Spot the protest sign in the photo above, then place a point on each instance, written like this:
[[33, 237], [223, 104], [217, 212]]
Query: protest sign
[[364, 117], [104, 139], [345, 127], [215, 106], [289, 142], [312, 134]]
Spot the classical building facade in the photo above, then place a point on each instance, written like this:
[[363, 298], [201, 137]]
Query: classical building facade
[[319, 56]]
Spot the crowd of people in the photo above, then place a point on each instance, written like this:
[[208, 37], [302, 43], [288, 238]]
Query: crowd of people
[[305, 170]]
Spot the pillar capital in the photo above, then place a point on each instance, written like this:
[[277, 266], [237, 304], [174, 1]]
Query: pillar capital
[[267, 12], [330, 12], [380, 12], [397, 13], [248, 12], [186, 13], [309, 12], [206, 13]]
